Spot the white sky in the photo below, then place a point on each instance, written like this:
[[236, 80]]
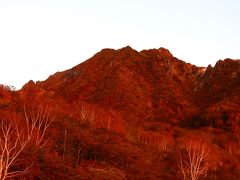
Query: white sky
[[41, 37]]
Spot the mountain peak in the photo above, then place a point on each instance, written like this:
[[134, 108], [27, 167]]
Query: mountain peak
[[126, 48], [165, 52], [227, 65]]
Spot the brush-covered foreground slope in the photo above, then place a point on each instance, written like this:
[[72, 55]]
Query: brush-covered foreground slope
[[125, 114]]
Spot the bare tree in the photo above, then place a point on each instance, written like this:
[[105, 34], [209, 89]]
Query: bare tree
[[87, 114], [37, 122], [193, 160], [84, 113], [81, 153], [12, 143], [15, 138]]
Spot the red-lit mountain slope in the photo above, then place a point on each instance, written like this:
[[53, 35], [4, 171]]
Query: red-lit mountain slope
[[150, 85], [130, 115], [218, 93]]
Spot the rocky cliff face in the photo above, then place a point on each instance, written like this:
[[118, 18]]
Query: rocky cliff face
[[219, 82], [218, 93]]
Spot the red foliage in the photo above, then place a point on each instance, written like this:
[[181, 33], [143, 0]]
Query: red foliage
[[116, 113]]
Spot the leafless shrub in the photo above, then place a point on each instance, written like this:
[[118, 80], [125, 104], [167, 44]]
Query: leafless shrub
[[162, 142], [99, 118]]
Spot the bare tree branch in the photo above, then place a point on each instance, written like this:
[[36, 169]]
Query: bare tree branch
[[193, 160], [13, 141]]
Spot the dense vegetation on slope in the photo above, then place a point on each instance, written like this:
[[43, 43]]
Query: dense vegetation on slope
[[124, 114]]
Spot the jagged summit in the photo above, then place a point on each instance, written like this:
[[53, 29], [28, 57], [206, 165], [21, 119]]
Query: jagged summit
[[161, 52]]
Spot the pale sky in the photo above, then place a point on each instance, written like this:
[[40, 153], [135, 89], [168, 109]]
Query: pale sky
[[41, 37]]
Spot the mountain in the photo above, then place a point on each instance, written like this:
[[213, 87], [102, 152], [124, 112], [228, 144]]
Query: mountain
[[151, 85], [128, 115]]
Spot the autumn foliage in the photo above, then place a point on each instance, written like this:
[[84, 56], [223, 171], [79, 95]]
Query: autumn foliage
[[124, 114]]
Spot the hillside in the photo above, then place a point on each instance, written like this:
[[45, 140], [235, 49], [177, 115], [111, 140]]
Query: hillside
[[124, 114]]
